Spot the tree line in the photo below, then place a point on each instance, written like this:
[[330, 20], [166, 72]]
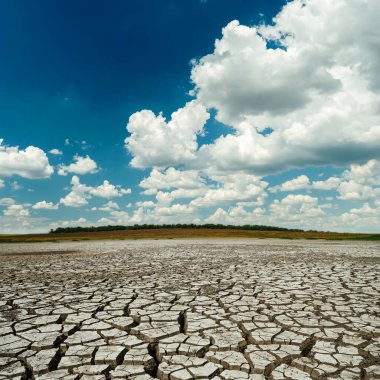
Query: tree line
[[255, 227]]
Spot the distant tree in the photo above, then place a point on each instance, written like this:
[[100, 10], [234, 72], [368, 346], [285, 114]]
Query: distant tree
[[61, 230]]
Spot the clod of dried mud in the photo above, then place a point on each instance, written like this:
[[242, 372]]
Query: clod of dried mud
[[190, 309]]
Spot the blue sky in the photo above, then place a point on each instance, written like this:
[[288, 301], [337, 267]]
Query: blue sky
[[275, 113]]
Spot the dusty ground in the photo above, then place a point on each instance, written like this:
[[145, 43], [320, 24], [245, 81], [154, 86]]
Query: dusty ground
[[190, 309]]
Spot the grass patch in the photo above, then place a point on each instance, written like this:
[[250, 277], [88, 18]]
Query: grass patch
[[186, 233], [369, 238]]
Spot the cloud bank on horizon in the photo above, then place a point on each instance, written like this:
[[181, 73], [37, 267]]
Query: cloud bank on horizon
[[298, 100]]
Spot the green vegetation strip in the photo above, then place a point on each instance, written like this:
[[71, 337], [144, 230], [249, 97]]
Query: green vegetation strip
[[171, 226], [181, 231]]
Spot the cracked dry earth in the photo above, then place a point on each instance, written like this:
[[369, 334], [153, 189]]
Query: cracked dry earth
[[190, 309]]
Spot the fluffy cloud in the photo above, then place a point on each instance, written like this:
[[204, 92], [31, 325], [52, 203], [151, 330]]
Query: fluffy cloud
[[16, 219], [318, 91], [366, 174], [171, 178], [74, 199], [292, 99], [154, 213], [82, 165], [303, 182], [328, 184], [70, 223], [245, 77], [78, 196], [361, 182], [295, 211], [6, 201], [303, 91], [174, 210], [107, 190], [18, 211], [236, 215], [350, 190], [80, 193], [299, 207], [161, 214], [145, 204], [300, 183], [109, 206], [232, 188], [43, 205], [186, 184], [156, 143], [30, 163], [56, 152], [205, 191], [15, 186], [365, 218], [79, 222], [107, 221]]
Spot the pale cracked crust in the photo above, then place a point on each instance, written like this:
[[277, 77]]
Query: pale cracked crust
[[194, 309]]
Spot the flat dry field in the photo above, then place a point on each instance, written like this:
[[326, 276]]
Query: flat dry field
[[190, 309], [186, 233]]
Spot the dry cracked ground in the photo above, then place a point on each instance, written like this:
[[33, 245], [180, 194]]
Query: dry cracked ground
[[190, 309]]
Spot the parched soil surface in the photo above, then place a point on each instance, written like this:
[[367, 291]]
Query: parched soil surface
[[190, 309]]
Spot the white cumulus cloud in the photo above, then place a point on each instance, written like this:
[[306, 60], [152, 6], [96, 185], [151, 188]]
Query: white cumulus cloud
[[109, 206], [361, 182], [300, 183], [81, 165], [80, 193], [31, 162], [154, 142], [107, 190], [296, 207], [232, 188], [171, 178], [6, 201], [56, 152], [318, 90], [330, 183], [43, 205], [16, 211]]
